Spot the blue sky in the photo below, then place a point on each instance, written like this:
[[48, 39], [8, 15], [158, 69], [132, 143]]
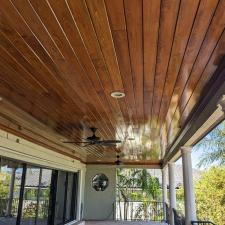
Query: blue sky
[[195, 158], [197, 153]]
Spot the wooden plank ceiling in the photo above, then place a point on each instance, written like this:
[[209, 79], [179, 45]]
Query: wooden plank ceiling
[[61, 59]]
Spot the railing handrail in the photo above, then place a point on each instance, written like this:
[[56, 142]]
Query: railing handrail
[[202, 222], [144, 201], [178, 217], [141, 210]]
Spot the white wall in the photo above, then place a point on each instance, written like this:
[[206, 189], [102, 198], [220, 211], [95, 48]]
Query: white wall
[[98, 205]]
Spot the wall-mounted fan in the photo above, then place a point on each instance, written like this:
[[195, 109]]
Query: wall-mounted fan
[[94, 140]]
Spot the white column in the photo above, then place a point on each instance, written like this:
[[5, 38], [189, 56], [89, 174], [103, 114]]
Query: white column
[[172, 193], [164, 190], [189, 197]]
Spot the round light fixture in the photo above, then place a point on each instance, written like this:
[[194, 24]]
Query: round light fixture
[[117, 94]]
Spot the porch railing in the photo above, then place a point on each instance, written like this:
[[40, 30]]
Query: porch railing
[[4, 203], [29, 207], [141, 210], [179, 219], [202, 223]]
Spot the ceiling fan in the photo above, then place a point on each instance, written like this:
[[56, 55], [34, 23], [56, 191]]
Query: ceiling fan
[[118, 162], [95, 140]]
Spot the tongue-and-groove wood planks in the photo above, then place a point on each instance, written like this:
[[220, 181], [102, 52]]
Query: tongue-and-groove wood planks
[[61, 60]]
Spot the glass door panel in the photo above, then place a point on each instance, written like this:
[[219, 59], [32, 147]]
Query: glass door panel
[[60, 197], [30, 199], [44, 195], [10, 182]]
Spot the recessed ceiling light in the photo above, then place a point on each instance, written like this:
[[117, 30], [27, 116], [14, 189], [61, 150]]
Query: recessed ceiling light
[[117, 94]]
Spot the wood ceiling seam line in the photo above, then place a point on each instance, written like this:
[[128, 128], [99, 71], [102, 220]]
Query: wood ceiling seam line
[[126, 105], [100, 44], [95, 70], [41, 107], [174, 86], [206, 45], [125, 30], [136, 72], [62, 28], [104, 61], [165, 48], [88, 5], [129, 57], [210, 70], [123, 84], [196, 58], [69, 43], [46, 29], [179, 74], [171, 51], [157, 51], [132, 77], [161, 113], [149, 61], [131, 68], [221, 36]]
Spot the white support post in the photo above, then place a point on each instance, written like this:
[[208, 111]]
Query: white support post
[[172, 193], [164, 191], [189, 198]]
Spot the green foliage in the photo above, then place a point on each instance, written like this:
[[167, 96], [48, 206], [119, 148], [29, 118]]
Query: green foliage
[[29, 210], [137, 185], [210, 196], [31, 193], [213, 146], [4, 185]]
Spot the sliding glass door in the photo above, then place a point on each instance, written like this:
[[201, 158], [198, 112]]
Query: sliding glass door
[[30, 195], [66, 197]]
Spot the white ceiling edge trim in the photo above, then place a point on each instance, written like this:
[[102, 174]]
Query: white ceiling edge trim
[[29, 152]]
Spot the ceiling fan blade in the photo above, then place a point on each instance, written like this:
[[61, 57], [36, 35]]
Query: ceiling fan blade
[[110, 141], [86, 145], [76, 142], [107, 144]]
